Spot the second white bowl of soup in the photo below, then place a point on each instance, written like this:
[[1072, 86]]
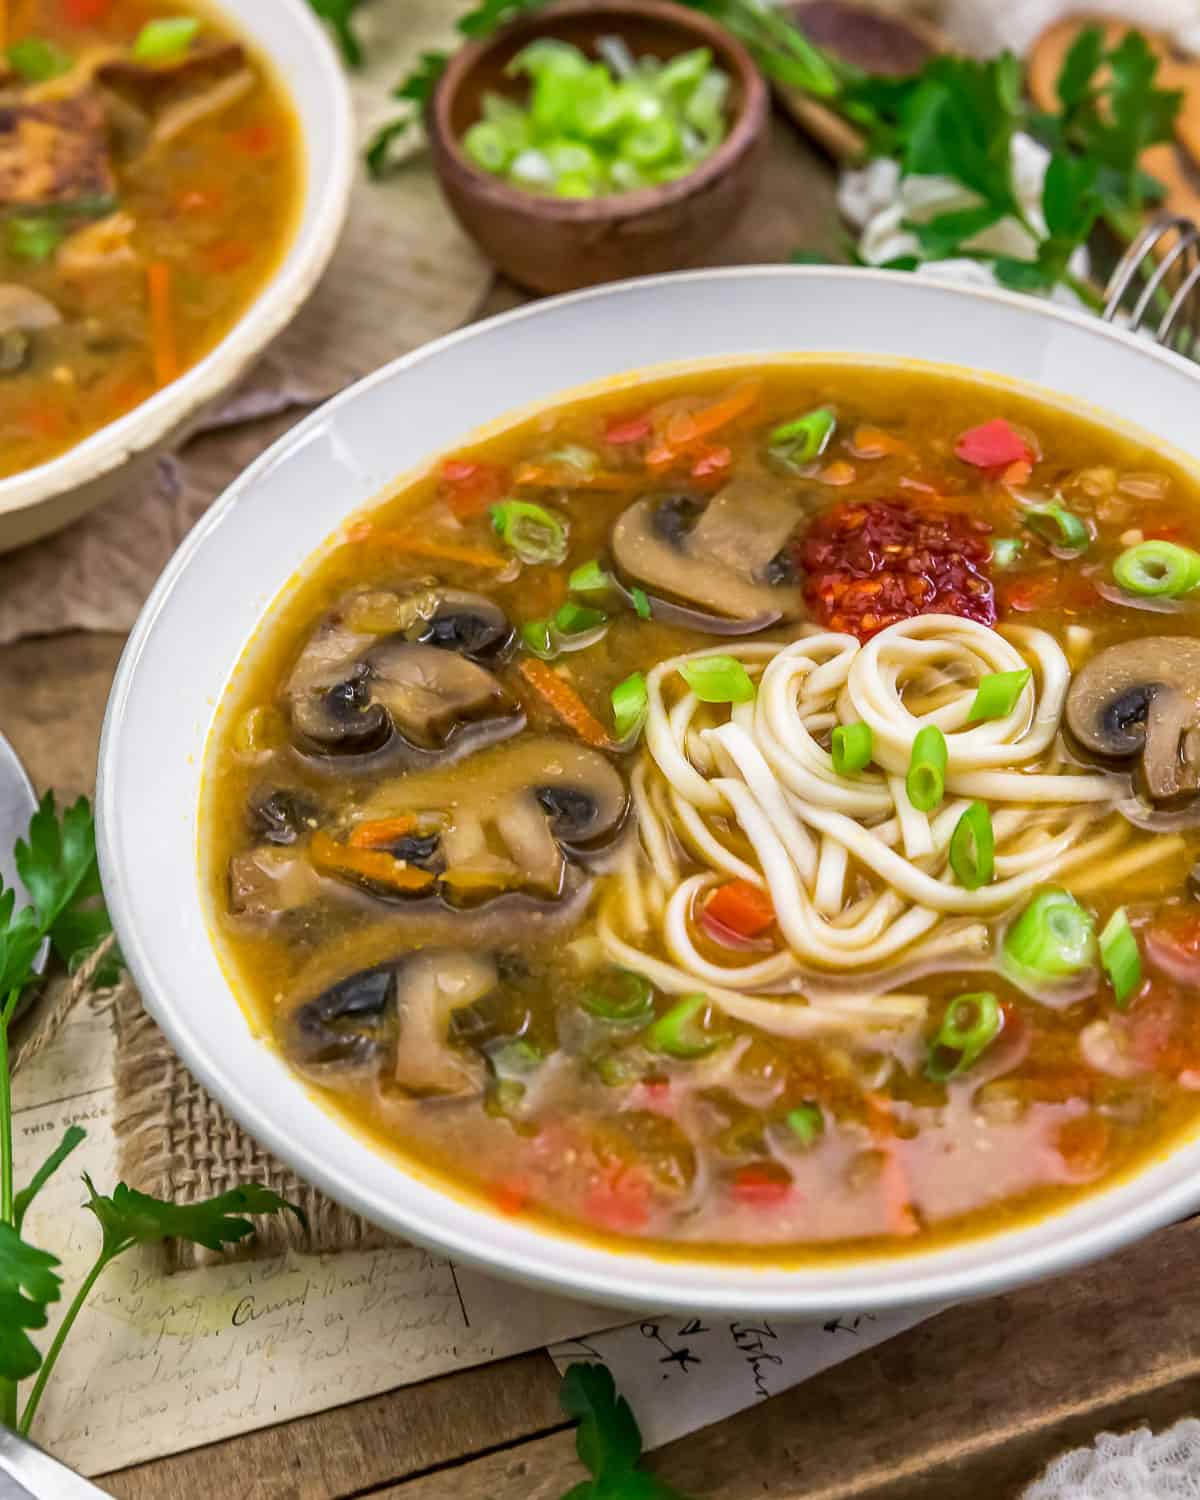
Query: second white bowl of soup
[[714, 836], [176, 183]]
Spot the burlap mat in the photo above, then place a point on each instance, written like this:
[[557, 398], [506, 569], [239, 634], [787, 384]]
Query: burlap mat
[[178, 1144]]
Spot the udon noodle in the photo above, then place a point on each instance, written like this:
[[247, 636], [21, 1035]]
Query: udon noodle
[[859, 878]]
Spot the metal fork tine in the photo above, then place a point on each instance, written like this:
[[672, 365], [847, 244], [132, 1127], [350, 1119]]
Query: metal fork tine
[[1175, 272]]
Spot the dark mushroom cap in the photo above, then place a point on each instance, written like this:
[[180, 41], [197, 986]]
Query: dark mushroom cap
[[368, 700], [507, 826], [1138, 703], [395, 1017], [724, 555]]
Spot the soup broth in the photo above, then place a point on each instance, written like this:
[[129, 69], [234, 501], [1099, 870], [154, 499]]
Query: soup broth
[[150, 173], [751, 813]]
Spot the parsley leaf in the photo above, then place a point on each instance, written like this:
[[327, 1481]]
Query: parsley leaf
[[415, 91], [58, 867], [609, 1441], [128, 1217], [490, 15], [28, 1284], [960, 123], [20, 940], [73, 1137], [339, 15]]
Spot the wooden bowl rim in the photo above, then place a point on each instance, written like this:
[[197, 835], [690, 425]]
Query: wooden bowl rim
[[745, 132]]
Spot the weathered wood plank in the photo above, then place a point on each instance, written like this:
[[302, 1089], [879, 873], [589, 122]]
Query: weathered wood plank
[[52, 696], [973, 1402], [355, 1448]]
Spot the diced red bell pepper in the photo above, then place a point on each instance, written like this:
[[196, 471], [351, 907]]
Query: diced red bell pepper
[[510, 1197], [994, 445], [741, 908], [759, 1187], [712, 462], [86, 12], [623, 430], [619, 1202], [470, 487], [1173, 945]]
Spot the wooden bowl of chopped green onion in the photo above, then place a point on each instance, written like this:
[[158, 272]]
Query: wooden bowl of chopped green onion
[[593, 141]]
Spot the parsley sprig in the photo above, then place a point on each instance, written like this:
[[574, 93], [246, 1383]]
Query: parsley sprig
[[609, 1441], [57, 864]]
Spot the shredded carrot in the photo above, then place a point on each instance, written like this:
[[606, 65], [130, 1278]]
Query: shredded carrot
[[381, 832], [741, 907], [688, 427], [162, 324], [874, 442], [561, 697], [555, 476], [226, 256], [897, 1195], [470, 487], [332, 858], [1017, 472], [424, 546]]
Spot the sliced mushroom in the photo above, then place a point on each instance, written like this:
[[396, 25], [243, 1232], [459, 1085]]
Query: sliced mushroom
[[396, 1017], [266, 882], [23, 312], [354, 695], [511, 824], [470, 624], [725, 555], [282, 815], [1139, 701]]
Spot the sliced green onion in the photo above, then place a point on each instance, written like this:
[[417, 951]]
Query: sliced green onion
[[705, 110], [1053, 938], [618, 1069], [538, 635], [514, 1057], [576, 185], [973, 848], [806, 1122], [652, 143], [1120, 957], [531, 169], [683, 72], [574, 619], [619, 995], [1006, 550], [535, 534], [1158, 570], [165, 39], [1061, 528], [488, 146], [573, 456], [717, 679], [32, 237], [997, 694], [630, 704], [803, 438], [851, 748], [970, 1025], [641, 603], [37, 59], [679, 1032], [926, 779], [589, 578]]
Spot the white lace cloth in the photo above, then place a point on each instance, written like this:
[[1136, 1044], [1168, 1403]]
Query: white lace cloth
[[1139, 1465]]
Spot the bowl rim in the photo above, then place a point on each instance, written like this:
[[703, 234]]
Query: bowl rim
[[746, 131], [547, 1263], [151, 421]]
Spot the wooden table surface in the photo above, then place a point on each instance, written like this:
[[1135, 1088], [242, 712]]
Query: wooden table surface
[[969, 1404]]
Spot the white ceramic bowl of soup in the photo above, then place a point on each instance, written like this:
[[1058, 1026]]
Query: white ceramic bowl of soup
[[215, 592], [303, 62]]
